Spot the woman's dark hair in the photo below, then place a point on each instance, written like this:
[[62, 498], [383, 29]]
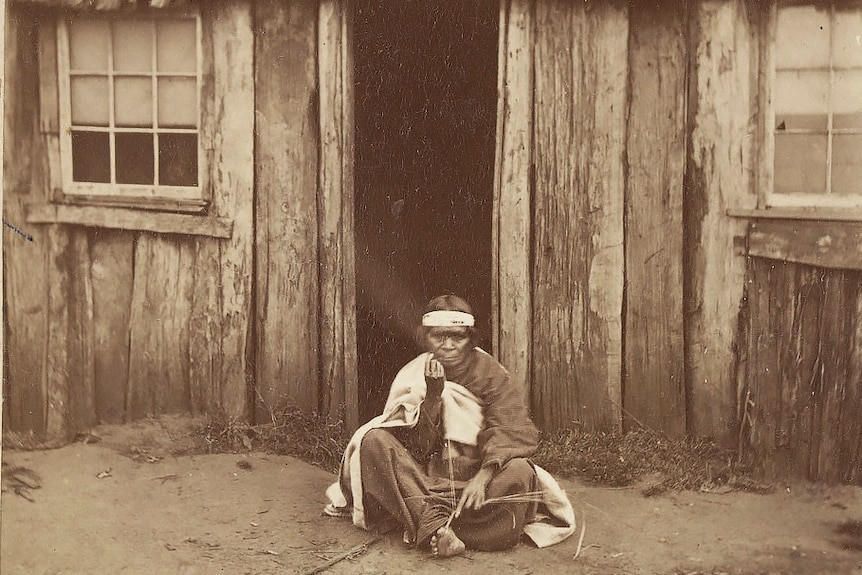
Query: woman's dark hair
[[448, 302]]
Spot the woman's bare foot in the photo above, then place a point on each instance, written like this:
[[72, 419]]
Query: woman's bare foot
[[446, 544]]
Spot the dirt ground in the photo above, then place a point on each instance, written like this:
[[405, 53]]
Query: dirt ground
[[129, 504]]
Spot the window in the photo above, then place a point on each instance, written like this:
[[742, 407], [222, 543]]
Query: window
[[817, 106], [130, 110]]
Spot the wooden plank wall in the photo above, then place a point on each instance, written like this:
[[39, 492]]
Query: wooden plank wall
[[803, 392], [580, 109], [335, 205], [511, 283], [720, 175], [137, 323], [654, 372], [286, 270], [2, 170], [25, 262]]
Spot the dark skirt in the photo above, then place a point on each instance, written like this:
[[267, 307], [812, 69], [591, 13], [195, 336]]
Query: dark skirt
[[397, 487]]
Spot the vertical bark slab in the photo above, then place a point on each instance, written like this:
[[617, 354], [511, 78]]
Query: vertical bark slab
[[159, 339], [286, 205], [25, 279], [205, 329], [57, 357], [111, 260], [802, 388], [338, 370], [721, 169], [851, 432], [70, 366], [231, 131], [511, 282], [581, 65], [654, 385], [832, 334], [80, 336]]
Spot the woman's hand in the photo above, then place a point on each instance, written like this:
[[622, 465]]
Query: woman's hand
[[473, 496], [434, 377]]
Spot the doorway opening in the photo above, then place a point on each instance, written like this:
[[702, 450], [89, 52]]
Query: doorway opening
[[425, 108]]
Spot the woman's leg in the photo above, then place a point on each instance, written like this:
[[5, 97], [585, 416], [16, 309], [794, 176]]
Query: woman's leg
[[500, 525], [395, 486]]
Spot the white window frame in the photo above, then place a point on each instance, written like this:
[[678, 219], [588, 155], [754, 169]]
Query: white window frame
[[149, 196], [832, 206]]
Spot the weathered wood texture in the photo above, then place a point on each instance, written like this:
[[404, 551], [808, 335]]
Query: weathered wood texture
[[159, 338], [205, 331], [654, 371], [337, 329], [110, 325], [231, 130], [181, 283], [720, 172], [70, 363], [125, 219], [110, 258], [286, 207], [803, 384], [3, 357], [580, 108], [828, 244], [24, 262], [511, 291]]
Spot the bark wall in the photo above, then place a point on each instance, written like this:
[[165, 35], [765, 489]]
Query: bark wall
[[654, 370], [110, 325], [511, 274], [335, 205], [578, 267], [803, 379], [721, 171], [286, 143], [25, 270]]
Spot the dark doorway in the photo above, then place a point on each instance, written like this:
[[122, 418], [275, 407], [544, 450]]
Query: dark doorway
[[425, 105]]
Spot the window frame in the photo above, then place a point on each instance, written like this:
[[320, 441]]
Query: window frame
[[823, 205], [192, 199]]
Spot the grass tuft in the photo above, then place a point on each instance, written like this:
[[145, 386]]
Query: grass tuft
[[623, 459], [607, 459], [292, 431]]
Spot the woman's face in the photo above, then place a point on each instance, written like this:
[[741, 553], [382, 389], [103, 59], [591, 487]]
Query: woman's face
[[449, 345]]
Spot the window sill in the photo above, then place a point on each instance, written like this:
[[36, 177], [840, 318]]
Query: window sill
[[806, 237], [804, 214], [129, 219]]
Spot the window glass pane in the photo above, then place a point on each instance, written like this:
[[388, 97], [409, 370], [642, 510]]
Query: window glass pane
[[91, 157], [89, 100], [847, 39], [133, 46], [134, 158], [800, 163], [812, 122], [178, 102], [133, 101], [802, 37], [177, 46], [847, 99], [847, 164], [178, 159], [801, 92], [88, 45]]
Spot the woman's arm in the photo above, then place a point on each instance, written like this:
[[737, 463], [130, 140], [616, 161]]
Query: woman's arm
[[426, 436], [508, 430]]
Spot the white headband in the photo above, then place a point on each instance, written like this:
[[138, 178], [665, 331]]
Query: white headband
[[446, 318]]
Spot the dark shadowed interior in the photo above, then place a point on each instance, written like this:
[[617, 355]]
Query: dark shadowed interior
[[425, 87]]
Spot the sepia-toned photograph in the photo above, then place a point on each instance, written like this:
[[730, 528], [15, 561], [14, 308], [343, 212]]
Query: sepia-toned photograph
[[369, 287]]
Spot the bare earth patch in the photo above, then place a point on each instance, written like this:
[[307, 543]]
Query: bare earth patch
[[129, 499]]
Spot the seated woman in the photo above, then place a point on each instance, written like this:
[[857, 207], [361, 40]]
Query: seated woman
[[447, 458]]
